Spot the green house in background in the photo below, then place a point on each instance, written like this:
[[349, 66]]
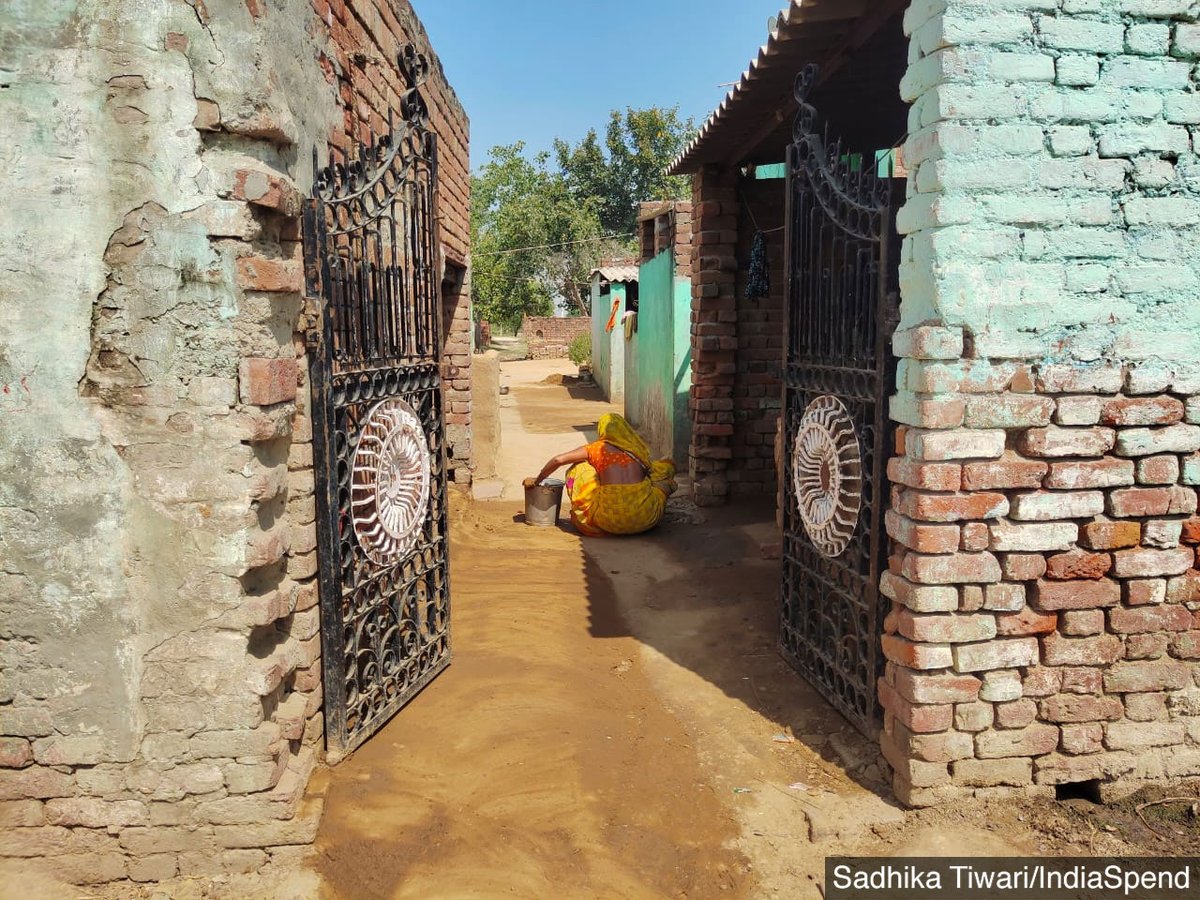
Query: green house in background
[[658, 358]]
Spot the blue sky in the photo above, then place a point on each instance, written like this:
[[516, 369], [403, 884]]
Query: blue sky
[[534, 70]]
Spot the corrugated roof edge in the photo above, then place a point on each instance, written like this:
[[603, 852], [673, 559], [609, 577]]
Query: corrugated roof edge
[[619, 274], [785, 19]]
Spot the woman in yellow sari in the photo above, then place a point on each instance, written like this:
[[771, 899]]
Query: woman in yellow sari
[[614, 486]]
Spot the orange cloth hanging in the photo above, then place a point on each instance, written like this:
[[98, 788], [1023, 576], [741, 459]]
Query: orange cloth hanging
[[612, 319]]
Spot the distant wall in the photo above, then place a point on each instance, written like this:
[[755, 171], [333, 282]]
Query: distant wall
[[608, 348], [549, 337]]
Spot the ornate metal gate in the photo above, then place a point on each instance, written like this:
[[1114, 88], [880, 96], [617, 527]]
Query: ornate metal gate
[[371, 257], [841, 304]]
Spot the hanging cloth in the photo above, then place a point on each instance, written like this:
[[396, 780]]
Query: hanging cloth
[[758, 279], [612, 318]]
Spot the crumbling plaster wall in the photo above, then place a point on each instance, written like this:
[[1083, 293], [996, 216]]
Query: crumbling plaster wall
[[1045, 623], [159, 648]]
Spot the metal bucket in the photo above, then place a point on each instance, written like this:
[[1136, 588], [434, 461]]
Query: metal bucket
[[542, 502]]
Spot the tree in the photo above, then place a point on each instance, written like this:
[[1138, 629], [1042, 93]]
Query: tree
[[533, 240], [632, 166]]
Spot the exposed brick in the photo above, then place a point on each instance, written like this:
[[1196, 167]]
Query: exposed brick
[[914, 717], [1146, 562], [1001, 685], [1055, 595], [1149, 441], [1055, 441], [923, 688], [1004, 597], [1146, 707], [1164, 534], [1081, 622], [1185, 645], [1042, 681], [1045, 506], [1016, 714], [925, 476], [922, 537], [1008, 472], [1142, 735], [1081, 708], [1058, 769], [976, 537], [974, 717], [1100, 650], [1158, 470], [269, 190], [946, 628], [960, 444], [1142, 411], [266, 275], [1139, 502], [915, 656], [1149, 618], [1134, 677], [1008, 411], [997, 654], [1149, 646], [932, 747], [1081, 680], [264, 382], [1078, 564], [1026, 622], [919, 598], [1110, 535], [1184, 588], [1096, 473], [1083, 738], [955, 568], [1032, 741], [15, 753], [1190, 532], [1022, 566], [931, 507], [1078, 411], [1039, 536], [992, 772]]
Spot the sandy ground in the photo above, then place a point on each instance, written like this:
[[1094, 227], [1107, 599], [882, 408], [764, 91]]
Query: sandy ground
[[616, 723]]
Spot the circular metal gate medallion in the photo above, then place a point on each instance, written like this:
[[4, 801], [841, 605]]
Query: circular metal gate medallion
[[389, 481], [827, 475]]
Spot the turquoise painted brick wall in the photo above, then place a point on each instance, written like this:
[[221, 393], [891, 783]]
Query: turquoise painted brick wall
[[1054, 197]]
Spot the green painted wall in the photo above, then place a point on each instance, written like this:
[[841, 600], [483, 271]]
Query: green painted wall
[[608, 350], [658, 362]]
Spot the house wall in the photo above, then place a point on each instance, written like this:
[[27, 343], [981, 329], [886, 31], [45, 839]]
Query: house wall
[[608, 348], [758, 384], [550, 337], [1045, 624], [160, 706]]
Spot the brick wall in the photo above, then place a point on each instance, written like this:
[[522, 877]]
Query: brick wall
[[757, 391], [714, 332], [160, 713], [548, 337], [1046, 618]]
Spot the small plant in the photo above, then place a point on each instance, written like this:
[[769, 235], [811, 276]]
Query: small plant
[[580, 350]]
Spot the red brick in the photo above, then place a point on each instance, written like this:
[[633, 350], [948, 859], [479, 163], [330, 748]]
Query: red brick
[[1149, 646], [1142, 411], [1009, 653], [955, 568], [1032, 741], [1185, 645], [931, 747], [928, 342], [1167, 617], [917, 718], [1183, 501], [1050, 596], [1110, 535], [15, 752], [1010, 471], [1084, 738], [1139, 502], [1135, 677], [1016, 713], [1146, 707], [1042, 681], [265, 382], [919, 598], [1078, 564], [1026, 622], [952, 507], [269, 190], [261, 273], [1184, 588], [1004, 597], [1022, 566], [953, 628], [975, 537], [922, 537], [1081, 680], [1081, 622], [916, 656], [1048, 506], [1191, 531], [1081, 708], [1008, 411], [1149, 563], [925, 476], [1093, 473], [918, 687], [959, 443], [1089, 651], [1158, 470], [1055, 441]]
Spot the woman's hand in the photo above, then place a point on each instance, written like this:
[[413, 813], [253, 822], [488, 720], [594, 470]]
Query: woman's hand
[[557, 462]]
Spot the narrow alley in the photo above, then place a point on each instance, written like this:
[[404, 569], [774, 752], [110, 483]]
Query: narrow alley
[[616, 721]]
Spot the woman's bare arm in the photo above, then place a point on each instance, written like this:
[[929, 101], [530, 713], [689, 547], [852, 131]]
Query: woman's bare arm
[[563, 459]]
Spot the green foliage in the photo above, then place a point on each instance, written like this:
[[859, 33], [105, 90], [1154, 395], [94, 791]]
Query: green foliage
[[580, 349], [538, 228], [632, 166]]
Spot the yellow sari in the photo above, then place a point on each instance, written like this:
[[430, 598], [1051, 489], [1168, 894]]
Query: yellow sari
[[597, 508]]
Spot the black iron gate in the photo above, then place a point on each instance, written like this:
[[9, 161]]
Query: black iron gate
[[839, 372], [371, 257]]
